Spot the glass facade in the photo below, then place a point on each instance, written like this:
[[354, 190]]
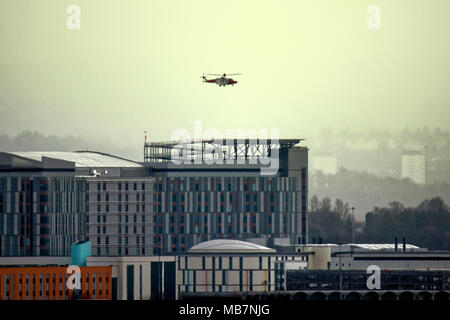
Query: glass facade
[[41, 215], [190, 210]]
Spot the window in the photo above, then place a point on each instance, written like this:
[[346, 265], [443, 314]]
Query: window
[[104, 186], [143, 186], [104, 219], [135, 186], [120, 187]]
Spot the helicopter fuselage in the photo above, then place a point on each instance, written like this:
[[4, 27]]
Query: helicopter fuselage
[[222, 81]]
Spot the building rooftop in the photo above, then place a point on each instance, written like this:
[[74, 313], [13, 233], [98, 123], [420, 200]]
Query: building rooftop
[[368, 246], [30, 159], [226, 245], [382, 246]]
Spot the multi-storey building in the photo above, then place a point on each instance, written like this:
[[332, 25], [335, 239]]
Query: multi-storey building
[[120, 219], [49, 200], [196, 202], [40, 215], [413, 166]]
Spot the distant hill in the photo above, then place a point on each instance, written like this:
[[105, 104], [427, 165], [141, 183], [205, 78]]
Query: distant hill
[[365, 191]]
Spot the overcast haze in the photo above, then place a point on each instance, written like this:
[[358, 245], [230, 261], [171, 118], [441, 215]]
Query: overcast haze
[[136, 65]]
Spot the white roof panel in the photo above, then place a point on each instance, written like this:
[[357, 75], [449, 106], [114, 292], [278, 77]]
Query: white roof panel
[[229, 245], [81, 158], [381, 246]]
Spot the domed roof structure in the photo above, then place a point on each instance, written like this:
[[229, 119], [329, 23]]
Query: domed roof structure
[[228, 245]]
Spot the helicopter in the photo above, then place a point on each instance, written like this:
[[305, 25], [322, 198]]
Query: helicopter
[[222, 80]]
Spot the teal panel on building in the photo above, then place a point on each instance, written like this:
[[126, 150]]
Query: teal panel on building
[[80, 251]]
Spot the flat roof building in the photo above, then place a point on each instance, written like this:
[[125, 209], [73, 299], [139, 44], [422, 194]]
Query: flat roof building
[[178, 197]]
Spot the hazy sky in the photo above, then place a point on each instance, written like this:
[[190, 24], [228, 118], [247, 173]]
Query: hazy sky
[[136, 65]]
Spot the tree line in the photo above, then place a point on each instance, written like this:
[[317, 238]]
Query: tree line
[[427, 225]]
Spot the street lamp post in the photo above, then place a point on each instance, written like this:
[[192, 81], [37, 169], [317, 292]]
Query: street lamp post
[[340, 270], [353, 225]]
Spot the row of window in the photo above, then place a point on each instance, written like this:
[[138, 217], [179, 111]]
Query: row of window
[[235, 183], [120, 185], [139, 197], [102, 230], [123, 252], [138, 240], [101, 219], [120, 208]]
